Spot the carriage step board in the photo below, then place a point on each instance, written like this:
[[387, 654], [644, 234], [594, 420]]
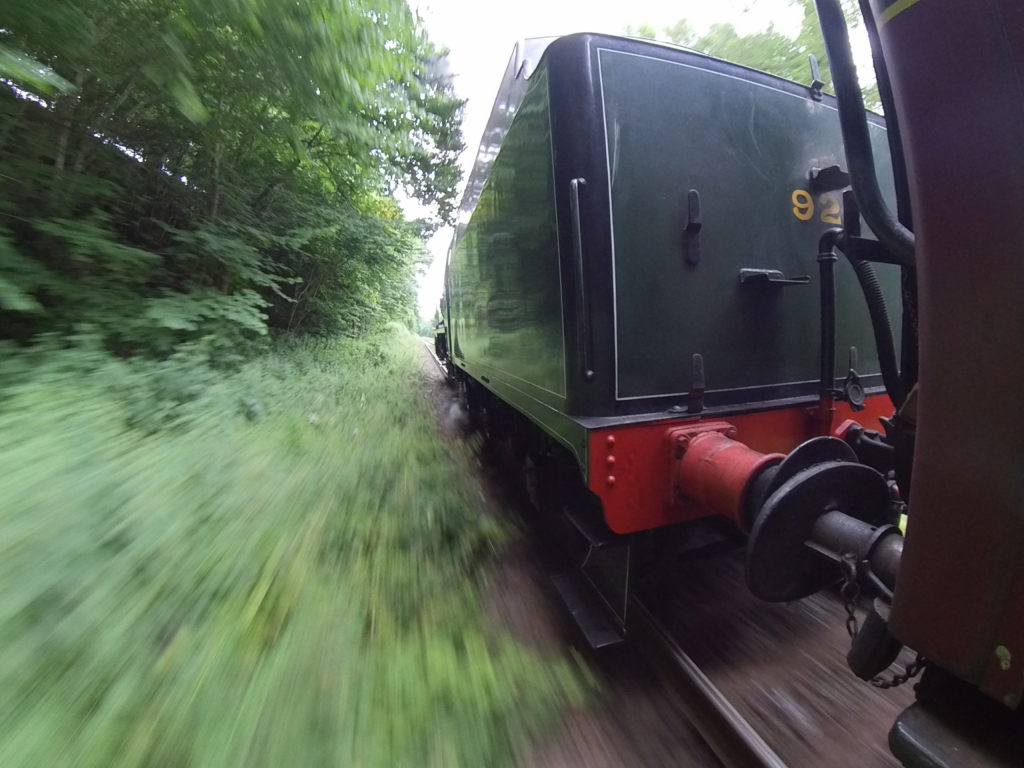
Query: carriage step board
[[593, 528], [595, 620], [962, 731]]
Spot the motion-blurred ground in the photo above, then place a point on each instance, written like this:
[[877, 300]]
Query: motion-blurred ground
[[280, 566]]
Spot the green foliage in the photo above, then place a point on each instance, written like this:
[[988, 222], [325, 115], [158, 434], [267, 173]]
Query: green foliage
[[767, 50], [214, 558], [187, 170], [278, 567], [24, 69]]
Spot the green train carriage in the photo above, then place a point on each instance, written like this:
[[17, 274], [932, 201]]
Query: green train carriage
[[637, 252]]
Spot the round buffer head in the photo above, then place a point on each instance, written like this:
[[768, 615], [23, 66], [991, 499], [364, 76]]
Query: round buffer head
[[780, 567]]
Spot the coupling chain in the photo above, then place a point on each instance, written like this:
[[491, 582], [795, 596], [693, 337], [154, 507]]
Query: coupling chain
[[850, 592], [912, 670]]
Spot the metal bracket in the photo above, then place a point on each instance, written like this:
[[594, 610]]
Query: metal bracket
[[679, 437], [865, 249], [694, 224], [829, 179], [752, 276], [855, 246], [853, 390], [816, 82], [695, 398]]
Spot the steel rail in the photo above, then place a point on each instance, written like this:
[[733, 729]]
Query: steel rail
[[733, 740], [434, 357]]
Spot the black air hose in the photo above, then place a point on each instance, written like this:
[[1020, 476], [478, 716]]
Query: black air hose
[[897, 239], [881, 327]]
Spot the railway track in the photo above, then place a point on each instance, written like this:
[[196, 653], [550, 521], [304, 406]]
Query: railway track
[[430, 351], [739, 666], [733, 740]]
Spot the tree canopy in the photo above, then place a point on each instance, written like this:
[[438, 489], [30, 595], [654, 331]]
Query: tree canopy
[[767, 50], [178, 170]]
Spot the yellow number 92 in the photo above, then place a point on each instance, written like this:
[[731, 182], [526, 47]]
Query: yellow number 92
[[803, 207], [803, 204]]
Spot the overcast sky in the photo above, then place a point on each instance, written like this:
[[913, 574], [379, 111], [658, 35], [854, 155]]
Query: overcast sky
[[481, 35]]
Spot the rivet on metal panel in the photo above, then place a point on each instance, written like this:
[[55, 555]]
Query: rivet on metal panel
[[610, 441], [611, 479], [610, 461]]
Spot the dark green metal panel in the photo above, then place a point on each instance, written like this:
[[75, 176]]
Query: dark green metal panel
[[747, 148], [552, 419], [505, 284]]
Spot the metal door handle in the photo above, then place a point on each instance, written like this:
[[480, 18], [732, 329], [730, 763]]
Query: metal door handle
[[751, 276]]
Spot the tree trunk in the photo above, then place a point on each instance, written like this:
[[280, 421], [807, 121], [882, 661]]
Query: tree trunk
[[215, 186], [68, 122], [298, 300], [215, 162]]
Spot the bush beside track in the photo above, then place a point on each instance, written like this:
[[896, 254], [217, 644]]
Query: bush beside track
[[281, 566]]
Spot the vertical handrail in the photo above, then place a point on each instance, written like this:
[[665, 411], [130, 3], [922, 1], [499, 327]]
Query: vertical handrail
[[582, 304]]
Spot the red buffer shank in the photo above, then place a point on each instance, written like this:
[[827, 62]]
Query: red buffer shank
[[714, 471]]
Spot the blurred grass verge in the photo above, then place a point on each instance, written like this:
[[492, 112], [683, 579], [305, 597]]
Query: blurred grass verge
[[278, 567]]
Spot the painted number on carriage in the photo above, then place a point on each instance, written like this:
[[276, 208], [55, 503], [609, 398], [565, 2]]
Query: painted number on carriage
[[829, 210]]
